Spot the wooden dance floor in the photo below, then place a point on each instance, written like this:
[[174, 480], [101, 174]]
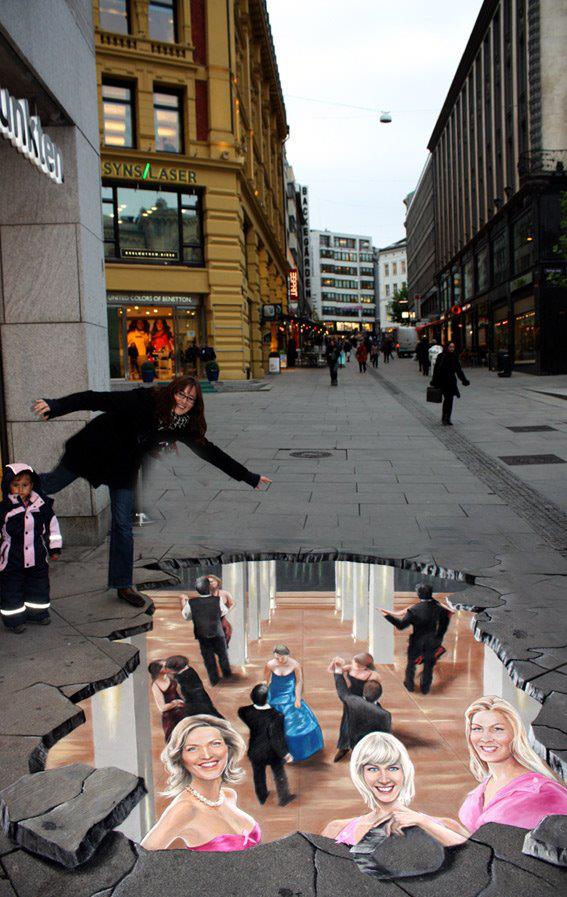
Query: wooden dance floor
[[430, 726]]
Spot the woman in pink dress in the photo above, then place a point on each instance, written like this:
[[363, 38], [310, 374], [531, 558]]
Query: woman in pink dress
[[381, 770], [202, 759], [516, 786]]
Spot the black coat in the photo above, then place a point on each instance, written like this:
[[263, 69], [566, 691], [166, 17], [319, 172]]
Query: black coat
[[109, 449], [447, 369], [429, 620], [267, 742], [206, 616], [363, 716]]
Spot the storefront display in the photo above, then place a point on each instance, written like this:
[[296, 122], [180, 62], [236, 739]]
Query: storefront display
[[156, 332], [524, 331], [500, 328]]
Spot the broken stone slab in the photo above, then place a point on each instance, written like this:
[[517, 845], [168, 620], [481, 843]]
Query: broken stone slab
[[63, 814], [548, 841], [507, 844]]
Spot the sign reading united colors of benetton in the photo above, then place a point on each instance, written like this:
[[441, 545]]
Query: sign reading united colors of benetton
[[24, 132]]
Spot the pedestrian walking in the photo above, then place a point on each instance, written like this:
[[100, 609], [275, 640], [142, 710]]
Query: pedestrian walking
[[374, 354], [207, 626], [332, 356], [110, 448], [430, 621], [29, 537], [347, 346], [387, 349], [361, 357], [422, 355], [447, 369]]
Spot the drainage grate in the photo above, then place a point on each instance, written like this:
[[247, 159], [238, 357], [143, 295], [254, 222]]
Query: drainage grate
[[311, 454], [542, 429], [516, 460]]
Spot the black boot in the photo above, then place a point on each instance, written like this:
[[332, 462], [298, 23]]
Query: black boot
[[132, 596]]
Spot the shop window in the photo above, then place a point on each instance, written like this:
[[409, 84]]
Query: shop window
[[501, 329], [523, 244], [116, 342], [161, 20], [500, 257], [483, 269], [524, 337], [168, 122], [113, 16], [118, 114], [152, 226], [468, 271]]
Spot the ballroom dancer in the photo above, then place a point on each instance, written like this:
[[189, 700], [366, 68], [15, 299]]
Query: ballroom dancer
[[284, 677], [383, 774], [361, 713], [516, 786], [430, 621], [356, 674], [201, 759], [267, 745], [109, 449], [205, 612], [196, 698], [167, 697], [227, 603]]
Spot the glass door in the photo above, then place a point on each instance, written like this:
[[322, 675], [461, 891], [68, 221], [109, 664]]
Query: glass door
[[187, 340], [116, 342]]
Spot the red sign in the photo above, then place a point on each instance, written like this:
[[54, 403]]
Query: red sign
[[456, 309], [294, 285]]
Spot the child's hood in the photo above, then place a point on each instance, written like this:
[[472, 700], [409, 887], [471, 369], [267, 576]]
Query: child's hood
[[12, 470]]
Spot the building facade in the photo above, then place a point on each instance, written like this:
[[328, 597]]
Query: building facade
[[499, 153], [192, 123], [392, 266], [52, 300], [420, 246], [296, 223], [342, 280]]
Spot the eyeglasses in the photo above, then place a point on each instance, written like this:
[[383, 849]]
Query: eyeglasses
[[187, 397]]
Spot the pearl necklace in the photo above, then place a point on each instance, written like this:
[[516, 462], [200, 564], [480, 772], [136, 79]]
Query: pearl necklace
[[205, 800]]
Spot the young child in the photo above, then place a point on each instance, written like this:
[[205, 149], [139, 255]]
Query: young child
[[29, 534]]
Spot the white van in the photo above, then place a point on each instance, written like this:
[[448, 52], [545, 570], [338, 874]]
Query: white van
[[405, 340]]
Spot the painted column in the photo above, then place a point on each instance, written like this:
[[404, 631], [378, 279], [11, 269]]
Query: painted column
[[253, 608], [347, 590], [338, 584], [264, 586], [234, 581], [360, 596], [273, 585], [380, 632], [122, 738], [497, 681]]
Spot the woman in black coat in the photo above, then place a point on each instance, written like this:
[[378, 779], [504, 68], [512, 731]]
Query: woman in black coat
[[447, 369], [110, 448]]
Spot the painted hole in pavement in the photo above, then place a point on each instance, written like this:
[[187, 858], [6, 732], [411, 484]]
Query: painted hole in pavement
[[541, 429], [311, 454], [517, 460], [320, 609]]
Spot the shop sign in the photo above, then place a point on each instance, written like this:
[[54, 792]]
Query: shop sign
[[153, 299], [522, 281], [148, 171], [147, 254], [24, 132], [293, 280]]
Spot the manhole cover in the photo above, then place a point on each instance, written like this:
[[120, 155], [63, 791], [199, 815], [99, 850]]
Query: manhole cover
[[516, 460], [542, 429], [310, 454]]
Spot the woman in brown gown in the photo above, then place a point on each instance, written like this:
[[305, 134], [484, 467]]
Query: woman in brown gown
[[357, 673], [167, 697]]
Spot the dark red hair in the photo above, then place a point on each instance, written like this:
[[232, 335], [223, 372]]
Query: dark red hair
[[164, 398]]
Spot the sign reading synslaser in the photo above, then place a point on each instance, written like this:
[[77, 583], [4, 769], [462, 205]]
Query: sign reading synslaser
[[25, 133]]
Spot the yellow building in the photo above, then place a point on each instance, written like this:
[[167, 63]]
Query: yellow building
[[192, 125]]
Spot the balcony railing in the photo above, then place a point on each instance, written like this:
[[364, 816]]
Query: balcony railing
[[165, 49], [538, 162]]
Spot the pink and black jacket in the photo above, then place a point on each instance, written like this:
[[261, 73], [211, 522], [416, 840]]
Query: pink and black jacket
[[28, 533]]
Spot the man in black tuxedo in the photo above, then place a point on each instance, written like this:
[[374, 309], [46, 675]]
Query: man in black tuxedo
[[364, 714], [430, 621], [207, 626], [267, 745]]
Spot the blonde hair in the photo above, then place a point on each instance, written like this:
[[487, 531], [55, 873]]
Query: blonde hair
[[381, 749], [171, 757], [521, 749]]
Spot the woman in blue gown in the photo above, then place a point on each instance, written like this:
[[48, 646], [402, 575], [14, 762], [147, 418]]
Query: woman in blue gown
[[285, 680]]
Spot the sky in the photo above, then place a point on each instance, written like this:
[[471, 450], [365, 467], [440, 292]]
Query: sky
[[380, 54]]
